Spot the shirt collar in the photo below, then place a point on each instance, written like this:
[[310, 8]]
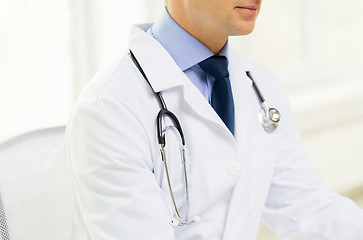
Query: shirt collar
[[185, 50]]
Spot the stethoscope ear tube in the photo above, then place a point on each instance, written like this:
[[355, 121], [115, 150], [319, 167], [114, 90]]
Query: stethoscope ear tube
[[258, 92]]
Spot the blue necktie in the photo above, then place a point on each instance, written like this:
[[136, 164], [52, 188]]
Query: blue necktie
[[222, 98]]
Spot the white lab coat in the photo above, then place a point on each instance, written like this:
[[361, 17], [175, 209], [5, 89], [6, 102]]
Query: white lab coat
[[120, 188]]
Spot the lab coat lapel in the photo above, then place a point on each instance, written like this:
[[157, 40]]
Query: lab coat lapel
[[242, 93], [164, 74], [200, 106], [159, 67]]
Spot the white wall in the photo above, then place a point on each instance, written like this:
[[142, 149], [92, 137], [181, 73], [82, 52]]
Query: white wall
[[107, 24], [35, 65]]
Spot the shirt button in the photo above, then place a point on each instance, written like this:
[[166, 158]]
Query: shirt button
[[233, 170]]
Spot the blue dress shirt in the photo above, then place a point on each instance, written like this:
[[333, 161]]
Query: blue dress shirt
[[186, 51]]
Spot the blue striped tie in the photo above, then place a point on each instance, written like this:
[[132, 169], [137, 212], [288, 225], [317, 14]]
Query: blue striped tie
[[222, 98]]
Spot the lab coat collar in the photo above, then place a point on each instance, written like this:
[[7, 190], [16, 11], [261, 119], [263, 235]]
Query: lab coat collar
[[163, 73]]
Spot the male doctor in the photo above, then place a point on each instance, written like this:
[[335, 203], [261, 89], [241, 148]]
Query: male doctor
[[237, 172]]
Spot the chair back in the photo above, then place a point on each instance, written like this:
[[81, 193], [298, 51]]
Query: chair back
[[4, 234], [35, 186]]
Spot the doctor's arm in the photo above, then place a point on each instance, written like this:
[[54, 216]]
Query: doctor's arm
[[299, 205], [115, 191]]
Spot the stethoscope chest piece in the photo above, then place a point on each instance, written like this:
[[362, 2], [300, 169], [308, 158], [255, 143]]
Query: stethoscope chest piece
[[269, 117]]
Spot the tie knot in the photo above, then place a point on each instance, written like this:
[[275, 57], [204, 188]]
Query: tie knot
[[216, 66]]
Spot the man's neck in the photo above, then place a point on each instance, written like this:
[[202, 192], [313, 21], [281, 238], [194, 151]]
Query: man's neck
[[208, 37]]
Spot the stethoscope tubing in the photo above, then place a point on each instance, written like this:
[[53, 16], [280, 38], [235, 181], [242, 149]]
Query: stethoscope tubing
[[163, 111], [269, 118], [255, 87]]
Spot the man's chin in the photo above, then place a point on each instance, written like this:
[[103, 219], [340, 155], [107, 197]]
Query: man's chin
[[243, 31]]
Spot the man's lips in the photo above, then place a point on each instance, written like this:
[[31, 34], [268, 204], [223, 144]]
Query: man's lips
[[250, 10]]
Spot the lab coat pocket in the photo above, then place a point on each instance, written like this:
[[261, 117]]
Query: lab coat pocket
[[263, 151]]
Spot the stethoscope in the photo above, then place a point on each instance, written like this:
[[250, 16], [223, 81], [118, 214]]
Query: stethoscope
[[269, 118]]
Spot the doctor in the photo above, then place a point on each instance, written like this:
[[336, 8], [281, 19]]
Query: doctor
[[236, 172]]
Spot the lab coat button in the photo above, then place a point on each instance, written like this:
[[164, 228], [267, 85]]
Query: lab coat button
[[233, 170]]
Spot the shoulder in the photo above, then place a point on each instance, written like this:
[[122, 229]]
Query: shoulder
[[103, 81], [118, 80], [119, 92]]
